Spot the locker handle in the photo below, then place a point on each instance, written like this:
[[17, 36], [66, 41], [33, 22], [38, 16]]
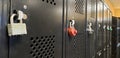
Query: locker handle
[[99, 53]]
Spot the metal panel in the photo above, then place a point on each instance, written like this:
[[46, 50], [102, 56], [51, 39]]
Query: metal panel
[[99, 41], [108, 34], [118, 38], [44, 25], [91, 37], [4, 10], [104, 33], [114, 37], [75, 46], [110, 30]]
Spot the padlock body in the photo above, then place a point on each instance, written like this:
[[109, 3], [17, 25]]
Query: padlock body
[[17, 29], [72, 31]]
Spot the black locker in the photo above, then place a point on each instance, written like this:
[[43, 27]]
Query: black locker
[[99, 39], [109, 43], [118, 38], [91, 37], [76, 46], [114, 37], [47, 25], [110, 34], [45, 29], [3, 21], [105, 32], [108, 39]]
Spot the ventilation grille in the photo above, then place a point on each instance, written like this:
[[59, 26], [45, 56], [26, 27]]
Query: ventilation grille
[[52, 2], [79, 6], [42, 47], [78, 46]]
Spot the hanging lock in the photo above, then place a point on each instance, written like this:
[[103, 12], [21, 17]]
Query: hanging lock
[[108, 27], [111, 28], [16, 28], [104, 27], [89, 29], [71, 29]]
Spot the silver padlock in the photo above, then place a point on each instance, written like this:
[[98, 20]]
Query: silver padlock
[[16, 28]]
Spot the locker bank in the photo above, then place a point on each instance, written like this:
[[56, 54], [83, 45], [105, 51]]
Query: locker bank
[[59, 29]]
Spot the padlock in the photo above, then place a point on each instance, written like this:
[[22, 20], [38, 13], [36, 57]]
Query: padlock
[[71, 29], [107, 27], [111, 28], [89, 28], [104, 27], [16, 28]]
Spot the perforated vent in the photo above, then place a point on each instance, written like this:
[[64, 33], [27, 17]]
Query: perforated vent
[[79, 6], [42, 47], [52, 2], [78, 46]]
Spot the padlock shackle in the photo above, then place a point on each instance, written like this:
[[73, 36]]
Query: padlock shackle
[[71, 23], [12, 19]]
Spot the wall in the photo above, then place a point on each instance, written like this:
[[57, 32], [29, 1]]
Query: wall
[[117, 12], [110, 6]]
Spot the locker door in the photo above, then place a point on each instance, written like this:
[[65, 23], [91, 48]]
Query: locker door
[[108, 34], [44, 26], [3, 22], [114, 37], [105, 31], [118, 38], [75, 46], [99, 40], [91, 35]]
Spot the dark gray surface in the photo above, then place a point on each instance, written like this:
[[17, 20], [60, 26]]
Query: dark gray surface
[[91, 38], [44, 25], [118, 38], [75, 46], [99, 39], [105, 34], [4, 10]]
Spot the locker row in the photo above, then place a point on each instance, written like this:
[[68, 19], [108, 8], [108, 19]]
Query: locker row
[[115, 37], [55, 29]]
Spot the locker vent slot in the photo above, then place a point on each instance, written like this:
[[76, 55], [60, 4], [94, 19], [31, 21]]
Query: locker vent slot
[[52, 2], [42, 47], [78, 46], [79, 6]]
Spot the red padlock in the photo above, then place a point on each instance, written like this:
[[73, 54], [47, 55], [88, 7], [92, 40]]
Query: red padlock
[[71, 30]]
